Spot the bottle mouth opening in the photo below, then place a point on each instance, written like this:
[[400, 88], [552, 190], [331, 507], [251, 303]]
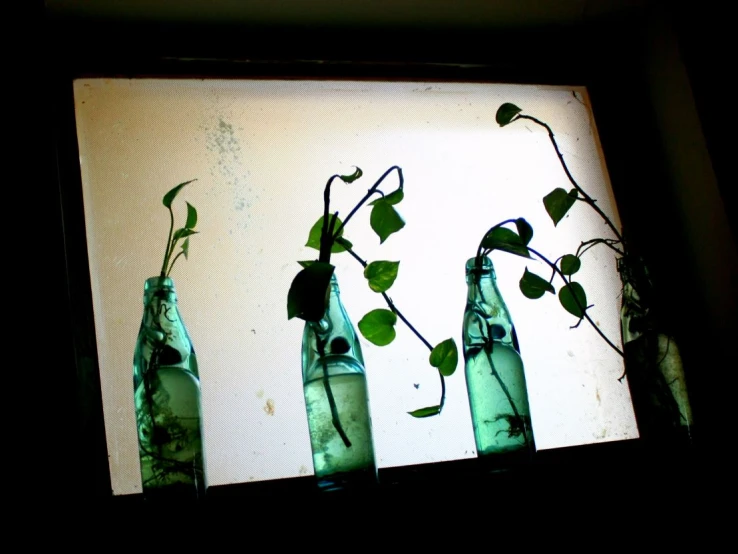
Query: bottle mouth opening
[[159, 281], [479, 266]]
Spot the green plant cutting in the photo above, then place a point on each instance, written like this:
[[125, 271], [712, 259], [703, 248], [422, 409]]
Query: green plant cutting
[[308, 295]]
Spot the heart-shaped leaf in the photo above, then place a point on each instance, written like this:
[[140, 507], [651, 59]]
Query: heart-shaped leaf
[[381, 275], [385, 220], [445, 357], [570, 264], [426, 412], [378, 326], [558, 202], [501, 238], [533, 286], [573, 299], [394, 197], [309, 292], [506, 113], [314, 237]]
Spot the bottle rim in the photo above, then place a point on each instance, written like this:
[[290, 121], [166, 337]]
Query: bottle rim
[[472, 267]]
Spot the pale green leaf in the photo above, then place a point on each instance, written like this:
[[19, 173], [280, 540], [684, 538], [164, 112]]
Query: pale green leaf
[[315, 232], [445, 357], [381, 275], [394, 197], [378, 326], [385, 220]]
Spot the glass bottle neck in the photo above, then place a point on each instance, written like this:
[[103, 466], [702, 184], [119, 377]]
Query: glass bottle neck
[[486, 317], [481, 281], [161, 288]]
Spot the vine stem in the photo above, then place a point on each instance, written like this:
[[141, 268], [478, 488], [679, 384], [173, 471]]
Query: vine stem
[[610, 243], [583, 308], [168, 251], [328, 235], [587, 198], [368, 195], [504, 388], [397, 312], [329, 393]]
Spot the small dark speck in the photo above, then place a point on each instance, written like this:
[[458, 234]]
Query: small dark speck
[[253, 331], [416, 385]]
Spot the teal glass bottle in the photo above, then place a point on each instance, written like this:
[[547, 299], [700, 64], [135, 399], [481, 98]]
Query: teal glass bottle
[[495, 377], [166, 388], [337, 400], [653, 365]]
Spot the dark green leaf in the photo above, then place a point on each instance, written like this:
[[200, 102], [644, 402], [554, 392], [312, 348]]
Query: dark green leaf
[[533, 286], [524, 230], [570, 264], [572, 297], [186, 247], [506, 113], [445, 357], [385, 220], [381, 275], [394, 197], [182, 233], [351, 178], [501, 238], [171, 195], [306, 263], [309, 292], [314, 236], [426, 412], [378, 327], [558, 202], [191, 216]]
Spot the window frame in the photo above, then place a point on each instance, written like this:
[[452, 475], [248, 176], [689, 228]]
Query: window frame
[[606, 71]]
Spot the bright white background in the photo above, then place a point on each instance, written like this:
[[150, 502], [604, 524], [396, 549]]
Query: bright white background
[[262, 152]]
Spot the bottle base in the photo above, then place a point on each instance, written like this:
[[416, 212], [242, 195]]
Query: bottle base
[[349, 481], [500, 462]]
